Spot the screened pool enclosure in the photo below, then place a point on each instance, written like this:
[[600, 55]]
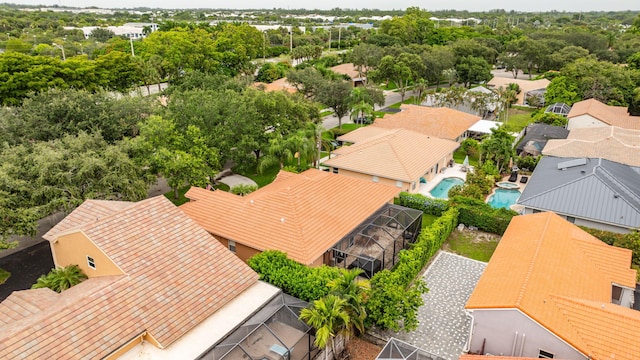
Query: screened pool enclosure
[[273, 333], [399, 350], [374, 245]]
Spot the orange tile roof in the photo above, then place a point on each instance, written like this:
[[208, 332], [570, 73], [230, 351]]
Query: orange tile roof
[[610, 142], [300, 214], [555, 269], [347, 69], [611, 115], [362, 134], [177, 275], [278, 85], [396, 154], [440, 122], [525, 85]]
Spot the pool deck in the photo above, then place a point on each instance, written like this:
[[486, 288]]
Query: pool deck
[[514, 207], [455, 171]]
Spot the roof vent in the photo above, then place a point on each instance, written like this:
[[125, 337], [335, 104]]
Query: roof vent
[[282, 220], [571, 163], [582, 172], [615, 196], [251, 202]]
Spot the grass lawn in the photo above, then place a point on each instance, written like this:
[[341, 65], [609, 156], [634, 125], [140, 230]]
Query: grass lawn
[[4, 275], [474, 245], [428, 219], [459, 155], [518, 119], [410, 100], [326, 113], [265, 178]]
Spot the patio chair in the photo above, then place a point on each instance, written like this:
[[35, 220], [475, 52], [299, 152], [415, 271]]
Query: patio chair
[[524, 179]]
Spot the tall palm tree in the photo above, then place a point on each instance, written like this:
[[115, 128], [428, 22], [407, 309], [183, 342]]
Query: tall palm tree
[[329, 317], [61, 279], [354, 291], [277, 152], [420, 87]]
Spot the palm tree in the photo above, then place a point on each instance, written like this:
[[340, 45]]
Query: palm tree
[[361, 110], [277, 152], [354, 291], [420, 87], [61, 279], [329, 317]]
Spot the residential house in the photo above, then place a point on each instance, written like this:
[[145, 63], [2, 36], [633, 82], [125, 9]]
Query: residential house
[[610, 142], [441, 122], [550, 291], [351, 71], [397, 157], [527, 87], [307, 216], [592, 113], [536, 136], [595, 193], [159, 286]]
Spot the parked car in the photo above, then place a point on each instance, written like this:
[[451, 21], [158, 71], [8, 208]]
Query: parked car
[[363, 120]]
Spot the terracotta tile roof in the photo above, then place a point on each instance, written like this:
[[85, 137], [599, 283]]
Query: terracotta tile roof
[[555, 269], [525, 85], [280, 84], [88, 212], [397, 154], [177, 275], [346, 69], [610, 142], [300, 214], [362, 134], [611, 115], [440, 122]]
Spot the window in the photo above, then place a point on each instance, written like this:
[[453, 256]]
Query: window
[[399, 183], [375, 178], [545, 355], [91, 262], [335, 170], [232, 246], [571, 219]]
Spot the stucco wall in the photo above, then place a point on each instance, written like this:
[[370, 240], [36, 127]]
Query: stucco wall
[[75, 247], [590, 223], [495, 330], [244, 252], [381, 180], [584, 121]]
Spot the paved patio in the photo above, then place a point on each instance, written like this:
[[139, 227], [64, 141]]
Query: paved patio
[[455, 171], [444, 325]]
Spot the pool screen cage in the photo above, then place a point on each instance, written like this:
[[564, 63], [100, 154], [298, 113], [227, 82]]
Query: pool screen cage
[[374, 245], [399, 350], [558, 108], [275, 332]]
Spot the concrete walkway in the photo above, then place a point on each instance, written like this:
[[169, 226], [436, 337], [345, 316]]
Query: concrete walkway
[[235, 180]]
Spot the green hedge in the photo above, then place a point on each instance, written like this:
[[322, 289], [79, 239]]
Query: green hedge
[[608, 237], [396, 295], [304, 282], [423, 203], [477, 213]]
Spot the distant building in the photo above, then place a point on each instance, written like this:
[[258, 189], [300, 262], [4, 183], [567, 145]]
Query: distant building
[[133, 31]]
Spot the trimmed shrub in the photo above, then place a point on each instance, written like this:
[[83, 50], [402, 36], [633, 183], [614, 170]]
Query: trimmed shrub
[[423, 203], [605, 236], [304, 282], [477, 213], [339, 132]]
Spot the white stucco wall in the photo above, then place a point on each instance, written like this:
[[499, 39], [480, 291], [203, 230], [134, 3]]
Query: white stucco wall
[[584, 121], [501, 331], [589, 223]]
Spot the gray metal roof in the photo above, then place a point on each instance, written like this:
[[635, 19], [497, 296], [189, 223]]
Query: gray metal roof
[[601, 190]]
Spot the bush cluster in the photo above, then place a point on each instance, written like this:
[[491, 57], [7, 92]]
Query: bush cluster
[[477, 213], [396, 295], [423, 203], [304, 282]]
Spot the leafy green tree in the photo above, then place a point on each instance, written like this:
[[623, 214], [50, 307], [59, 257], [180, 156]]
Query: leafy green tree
[[335, 94], [117, 71], [329, 317], [102, 34], [391, 68], [562, 90], [473, 70], [354, 291], [270, 72], [61, 279], [550, 119], [307, 81], [498, 147], [436, 61], [365, 57]]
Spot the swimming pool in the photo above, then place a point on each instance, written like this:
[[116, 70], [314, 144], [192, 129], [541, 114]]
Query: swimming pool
[[441, 190], [504, 198]]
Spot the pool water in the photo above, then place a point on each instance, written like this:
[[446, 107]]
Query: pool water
[[504, 198], [441, 190]]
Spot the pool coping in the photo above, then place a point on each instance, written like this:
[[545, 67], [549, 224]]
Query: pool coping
[[441, 180], [493, 191]]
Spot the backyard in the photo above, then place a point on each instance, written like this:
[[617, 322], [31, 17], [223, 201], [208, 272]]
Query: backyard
[[518, 119], [473, 244]]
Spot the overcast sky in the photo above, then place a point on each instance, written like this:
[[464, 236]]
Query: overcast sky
[[471, 5]]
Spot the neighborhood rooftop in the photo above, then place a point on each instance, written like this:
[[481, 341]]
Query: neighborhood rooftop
[[174, 275], [300, 214], [610, 115], [562, 277]]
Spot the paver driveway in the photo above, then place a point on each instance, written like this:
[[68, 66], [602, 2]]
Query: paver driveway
[[444, 326]]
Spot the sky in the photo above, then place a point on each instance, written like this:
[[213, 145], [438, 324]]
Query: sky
[[471, 5]]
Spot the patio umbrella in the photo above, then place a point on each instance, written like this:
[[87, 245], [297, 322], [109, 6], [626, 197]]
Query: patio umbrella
[[465, 162]]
